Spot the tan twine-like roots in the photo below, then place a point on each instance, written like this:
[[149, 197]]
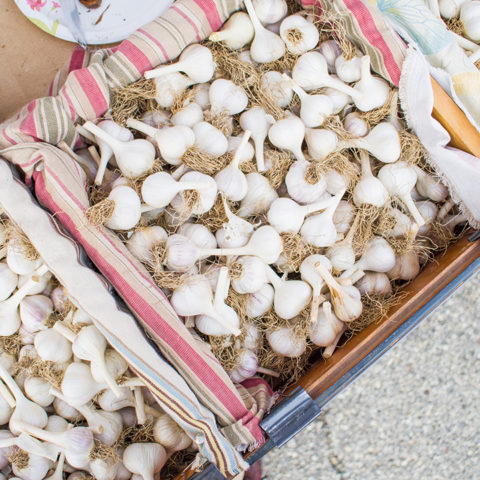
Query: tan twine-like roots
[[11, 344], [20, 240], [203, 162], [455, 25], [375, 116], [18, 457], [133, 100], [103, 452], [216, 216], [100, 213], [295, 250], [222, 121], [412, 150], [136, 434], [47, 370]]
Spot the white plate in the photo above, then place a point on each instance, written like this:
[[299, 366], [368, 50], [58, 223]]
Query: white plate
[[118, 18]]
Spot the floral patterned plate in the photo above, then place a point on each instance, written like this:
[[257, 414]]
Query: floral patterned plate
[[113, 21]]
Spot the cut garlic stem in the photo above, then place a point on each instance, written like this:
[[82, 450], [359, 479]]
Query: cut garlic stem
[[85, 133], [328, 352], [65, 331], [139, 405], [316, 301], [92, 150], [267, 371]]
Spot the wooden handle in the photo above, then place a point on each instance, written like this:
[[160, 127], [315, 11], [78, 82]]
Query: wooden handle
[[463, 134]]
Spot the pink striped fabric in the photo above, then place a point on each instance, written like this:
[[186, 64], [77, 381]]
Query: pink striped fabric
[[82, 91]]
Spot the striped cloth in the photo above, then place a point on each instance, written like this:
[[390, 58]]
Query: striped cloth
[[91, 292], [82, 91]]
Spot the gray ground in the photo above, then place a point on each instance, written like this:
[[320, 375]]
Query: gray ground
[[413, 415]]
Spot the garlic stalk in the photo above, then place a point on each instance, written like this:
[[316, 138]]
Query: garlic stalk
[[58, 473], [172, 142], [288, 134], [195, 297], [42, 283], [286, 215], [25, 410], [399, 179], [311, 72], [196, 61], [369, 190], [144, 459], [247, 152], [258, 122], [252, 276], [299, 34], [428, 210], [231, 181], [346, 300], [328, 351], [259, 302], [259, 197], [9, 315], [319, 229], [309, 274], [370, 92], [236, 232], [326, 327], [266, 46], [314, 109], [90, 345], [284, 342], [134, 158], [106, 152], [291, 296], [236, 32], [382, 142]]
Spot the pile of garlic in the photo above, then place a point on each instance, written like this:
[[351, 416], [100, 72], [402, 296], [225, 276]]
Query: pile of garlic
[[463, 19], [261, 265], [68, 403]]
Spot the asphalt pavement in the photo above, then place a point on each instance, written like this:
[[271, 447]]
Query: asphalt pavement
[[415, 414]]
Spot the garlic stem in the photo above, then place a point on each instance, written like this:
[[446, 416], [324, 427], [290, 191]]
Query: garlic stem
[[102, 135], [142, 127], [139, 405], [412, 208], [257, 25], [238, 152], [267, 371], [65, 331], [11, 384], [163, 70], [328, 352], [316, 301], [81, 130], [7, 396], [446, 207], [94, 154]]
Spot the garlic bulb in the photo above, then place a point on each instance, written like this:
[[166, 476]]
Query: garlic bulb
[[336, 181], [257, 122], [252, 276], [377, 257], [320, 142], [402, 224], [143, 240], [199, 234], [236, 32], [16, 260], [127, 209], [341, 254], [346, 300], [407, 266], [260, 301], [355, 125], [78, 385], [260, 196], [195, 60], [35, 311], [301, 189], [209, 139], [168, 434], [38, 390], [326, 327], [469, 16], [330, 50], [52, 346], [266, 45], [236, 232], [299, 35], [374, 283], [288, 134], [168, 87], [428, 210], [226, 97], [369, 190], [8, 281], [145, 459], [429, 186], [348, 70], [270, 11], [246, 154], [278, 87], [206, 189], [188, 116], [284, 342]]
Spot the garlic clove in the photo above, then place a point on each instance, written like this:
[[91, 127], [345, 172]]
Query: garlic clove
[[284, 342], [330, 50]]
